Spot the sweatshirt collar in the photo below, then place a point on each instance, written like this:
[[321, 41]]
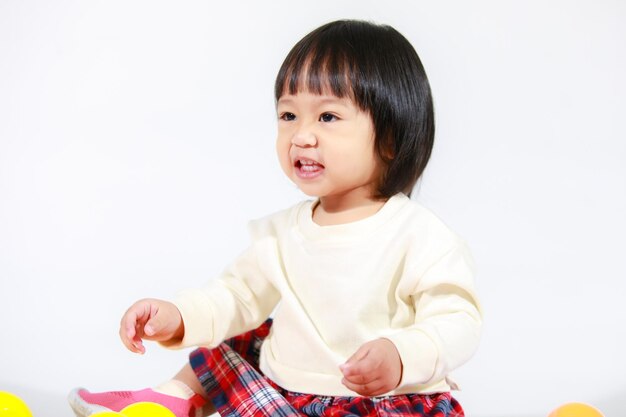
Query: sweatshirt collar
[[348, 231]]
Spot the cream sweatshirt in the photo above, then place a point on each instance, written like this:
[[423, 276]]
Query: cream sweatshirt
[[400, 274]]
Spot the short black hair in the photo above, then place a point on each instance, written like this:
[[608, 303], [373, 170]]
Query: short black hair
[[378, 68]]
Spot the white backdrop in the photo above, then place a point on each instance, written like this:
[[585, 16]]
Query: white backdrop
[[136, 140]]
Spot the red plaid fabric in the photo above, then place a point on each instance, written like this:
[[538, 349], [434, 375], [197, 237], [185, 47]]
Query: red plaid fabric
[[230, 376]]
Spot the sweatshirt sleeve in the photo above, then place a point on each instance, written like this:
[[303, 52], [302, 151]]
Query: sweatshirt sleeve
[[447, 323], [237, 301]]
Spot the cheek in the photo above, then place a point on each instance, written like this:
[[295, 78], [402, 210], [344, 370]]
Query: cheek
[[282, 151], [356, 160]]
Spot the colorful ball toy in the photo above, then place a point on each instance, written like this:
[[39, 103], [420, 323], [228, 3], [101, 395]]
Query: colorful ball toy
[[147, 409], [12, 406], [107, 414], [576, 410]]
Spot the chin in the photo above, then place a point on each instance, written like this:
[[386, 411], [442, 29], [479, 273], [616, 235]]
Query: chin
[[309, 190], [310, 193]]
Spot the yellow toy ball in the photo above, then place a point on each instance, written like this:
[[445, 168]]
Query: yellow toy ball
[[576, 410], [147, 409], [12, 406]]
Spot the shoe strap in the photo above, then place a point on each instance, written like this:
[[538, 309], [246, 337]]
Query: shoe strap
[[197, 401]]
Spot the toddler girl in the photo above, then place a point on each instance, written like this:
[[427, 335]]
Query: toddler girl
[[372, 296]]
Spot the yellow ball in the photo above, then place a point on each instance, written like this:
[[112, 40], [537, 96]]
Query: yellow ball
[[147, 409], [576, 410], [12, 406]]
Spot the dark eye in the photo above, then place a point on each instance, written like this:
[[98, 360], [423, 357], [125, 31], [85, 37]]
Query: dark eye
[[287, 116], [327, 117]]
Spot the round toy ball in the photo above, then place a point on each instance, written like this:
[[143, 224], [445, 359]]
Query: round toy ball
[[147, 409], [12, 406], [576, 410]]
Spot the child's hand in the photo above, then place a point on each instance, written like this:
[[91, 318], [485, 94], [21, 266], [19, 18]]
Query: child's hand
[[150, 319], [374, 369]]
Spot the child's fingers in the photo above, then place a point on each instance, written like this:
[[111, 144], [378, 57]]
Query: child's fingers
[[372, 370], [150, 319], [350, 368], [162, 323], [131, 339], [371, 388], [365, 377], [154, 325], [127, 333], [135, 345], [132, 325], [361, 372], [360, 367]]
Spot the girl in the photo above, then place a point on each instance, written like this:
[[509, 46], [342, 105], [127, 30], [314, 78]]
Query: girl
[[373, 296]]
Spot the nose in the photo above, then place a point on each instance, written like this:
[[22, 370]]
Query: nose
[[304, 136]]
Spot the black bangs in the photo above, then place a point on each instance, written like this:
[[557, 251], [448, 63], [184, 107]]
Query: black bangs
[[322, 62]]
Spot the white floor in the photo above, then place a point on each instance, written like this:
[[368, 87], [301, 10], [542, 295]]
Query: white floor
[[53, 404]]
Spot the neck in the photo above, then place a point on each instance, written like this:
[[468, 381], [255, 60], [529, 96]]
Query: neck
[[333, 210]]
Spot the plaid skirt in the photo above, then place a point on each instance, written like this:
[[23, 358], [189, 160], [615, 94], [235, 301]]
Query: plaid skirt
[[232, 380]]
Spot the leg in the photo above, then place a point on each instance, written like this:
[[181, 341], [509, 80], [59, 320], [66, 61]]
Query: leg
[[232, 381], [188, 377], [235, 387], [184, 394], [181, 395]]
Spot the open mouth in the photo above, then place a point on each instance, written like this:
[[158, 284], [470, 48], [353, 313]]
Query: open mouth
[[308, 165], [307, 168]]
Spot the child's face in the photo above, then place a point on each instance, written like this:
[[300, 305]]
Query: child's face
[[326, 146]]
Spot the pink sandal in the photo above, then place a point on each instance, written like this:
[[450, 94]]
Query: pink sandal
[[85, 403]]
